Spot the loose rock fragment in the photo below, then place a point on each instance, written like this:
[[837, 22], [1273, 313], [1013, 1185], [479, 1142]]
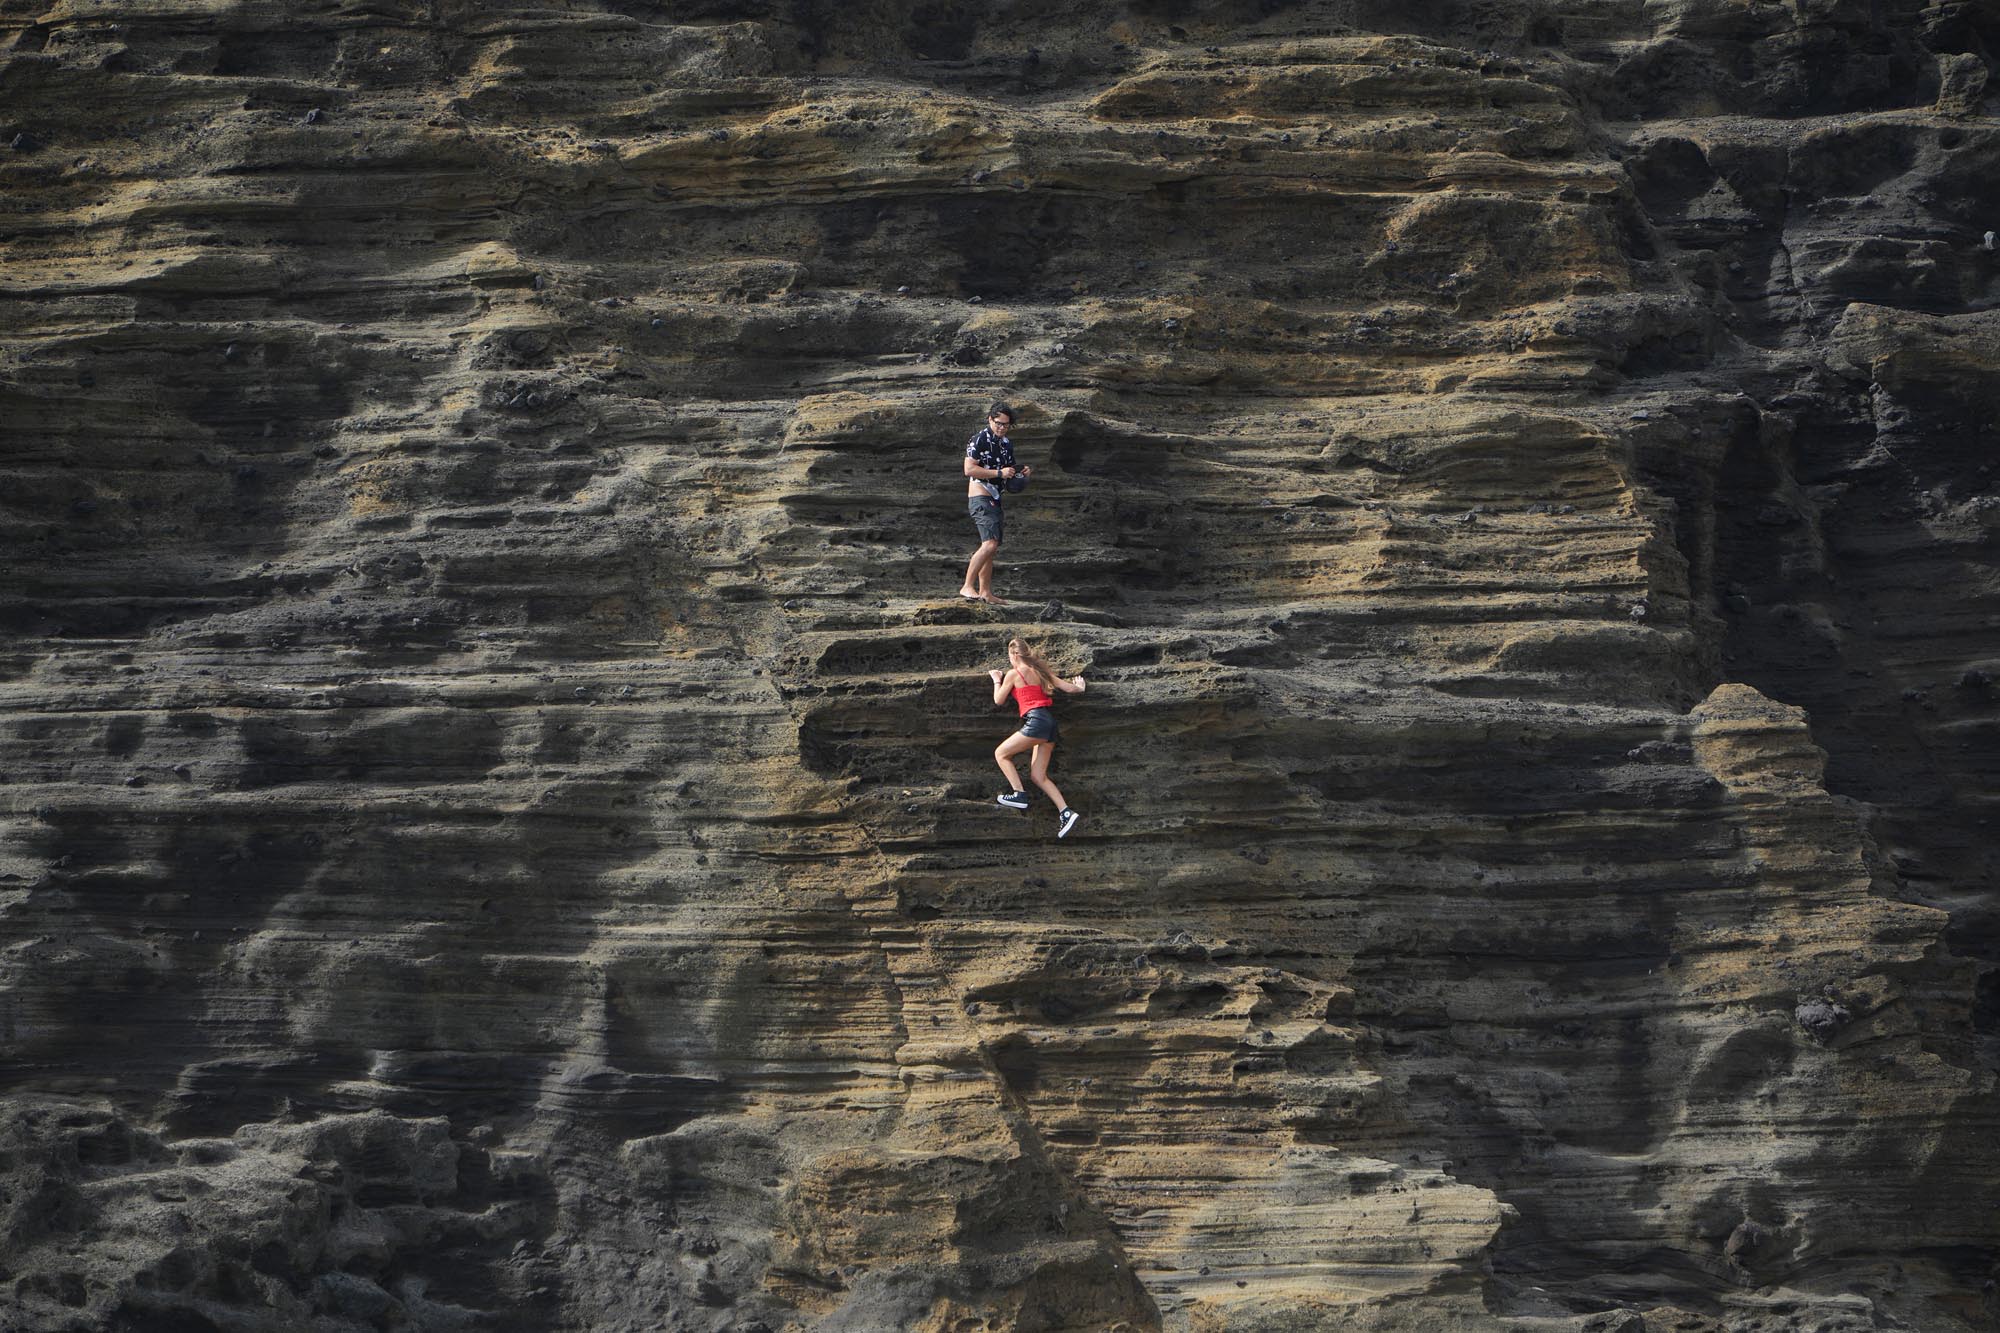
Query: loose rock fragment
[[1822, 1018]]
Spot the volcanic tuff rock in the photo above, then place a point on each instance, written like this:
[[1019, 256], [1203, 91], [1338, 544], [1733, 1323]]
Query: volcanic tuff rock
[[497, 825]]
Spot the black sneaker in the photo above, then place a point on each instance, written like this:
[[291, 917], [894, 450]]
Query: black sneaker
[[1066, 821], [1013, 800]]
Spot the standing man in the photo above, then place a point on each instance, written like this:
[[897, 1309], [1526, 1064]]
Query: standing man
[[989, 469]]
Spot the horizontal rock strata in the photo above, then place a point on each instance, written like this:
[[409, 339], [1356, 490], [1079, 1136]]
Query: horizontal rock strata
[[497, 818]]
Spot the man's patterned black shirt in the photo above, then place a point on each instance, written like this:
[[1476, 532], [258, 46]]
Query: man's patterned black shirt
[[988, 450]]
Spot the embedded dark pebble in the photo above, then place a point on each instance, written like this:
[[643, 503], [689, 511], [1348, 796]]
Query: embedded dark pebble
[[1822, 1018], [1744, 1241]]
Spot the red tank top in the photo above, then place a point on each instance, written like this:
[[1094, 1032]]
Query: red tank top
[[1028, 697]]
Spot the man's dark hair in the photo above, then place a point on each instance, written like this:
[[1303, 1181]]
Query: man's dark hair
[[1001, 410]]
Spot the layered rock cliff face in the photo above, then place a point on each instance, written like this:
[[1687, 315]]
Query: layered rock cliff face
[[497, 826]]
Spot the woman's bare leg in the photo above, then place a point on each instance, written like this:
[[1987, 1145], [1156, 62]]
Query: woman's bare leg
[[1038, 769], [1003, 755]]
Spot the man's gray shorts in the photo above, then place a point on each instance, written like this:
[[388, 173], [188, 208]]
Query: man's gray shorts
[[985, 511]]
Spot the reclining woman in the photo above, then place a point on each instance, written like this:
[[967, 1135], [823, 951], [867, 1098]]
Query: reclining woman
[[1029, 678]]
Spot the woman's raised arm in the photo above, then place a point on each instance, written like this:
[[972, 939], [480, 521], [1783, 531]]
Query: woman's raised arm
[[1002, 686]]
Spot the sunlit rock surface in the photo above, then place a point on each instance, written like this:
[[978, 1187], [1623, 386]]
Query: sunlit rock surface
[[497, 817]]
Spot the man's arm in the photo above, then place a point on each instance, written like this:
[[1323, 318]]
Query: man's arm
[[973, 468]]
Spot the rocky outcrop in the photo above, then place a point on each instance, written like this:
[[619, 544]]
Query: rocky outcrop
[[498, 829]]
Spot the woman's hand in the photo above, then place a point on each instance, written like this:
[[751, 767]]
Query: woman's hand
[[1079, 684], [994, 676]]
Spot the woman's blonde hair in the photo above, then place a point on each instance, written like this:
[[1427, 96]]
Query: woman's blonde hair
[[1034, 661]]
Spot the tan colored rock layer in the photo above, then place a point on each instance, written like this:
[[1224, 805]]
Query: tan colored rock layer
[[497, 818]]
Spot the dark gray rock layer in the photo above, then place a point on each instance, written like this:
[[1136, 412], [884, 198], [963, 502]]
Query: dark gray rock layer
[[497, 829]]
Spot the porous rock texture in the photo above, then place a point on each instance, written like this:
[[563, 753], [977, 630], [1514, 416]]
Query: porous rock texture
[[498, 825]]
